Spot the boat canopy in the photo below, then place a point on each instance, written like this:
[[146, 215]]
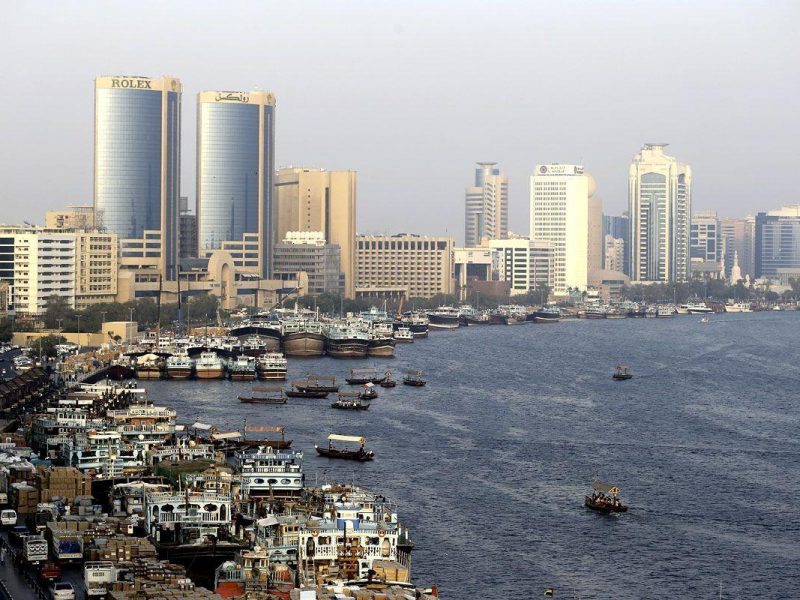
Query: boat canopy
[[606, 488], [347, 438], [259, 428], [231, 435], [199, 425], [414, 372]]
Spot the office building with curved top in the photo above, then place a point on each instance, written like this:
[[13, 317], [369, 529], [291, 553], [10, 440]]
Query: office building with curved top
[[137, 162], [235, 164]]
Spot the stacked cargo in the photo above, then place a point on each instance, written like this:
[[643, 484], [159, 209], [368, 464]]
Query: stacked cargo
[[122, 549], [24, 498], [156, 579], [373, 592], [143, 591], [64, 482]]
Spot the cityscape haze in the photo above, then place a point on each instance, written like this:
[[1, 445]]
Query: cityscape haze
[[392, 92]]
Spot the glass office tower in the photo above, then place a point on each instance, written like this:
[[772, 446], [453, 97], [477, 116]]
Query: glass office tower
[[235, 163], [137, 161]]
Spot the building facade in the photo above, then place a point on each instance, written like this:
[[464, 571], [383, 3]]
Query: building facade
[[95, 268], [738, 239], [71, 219], [137, 160], [307, 251], [706, 246], [618, 227], [235, 166], [614, 259], [404, 265], [319, 200], [660, 207], [560, 215], [525, 264], [486, 206], [777, 243]]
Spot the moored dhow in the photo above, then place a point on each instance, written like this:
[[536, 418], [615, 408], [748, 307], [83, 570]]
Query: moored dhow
[[302, 337], [149, 366], [444, 317], [272, 365], [547, 314], [209, 366], [343, 341], [242, 368], [180, 366]]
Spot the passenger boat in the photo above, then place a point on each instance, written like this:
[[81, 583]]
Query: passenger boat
[[209, 366], [369, 392], [350, 401], [697, 308], [403, 335], [604, 499], [265, 395], [665, 312], [363, 376], [738, 307], [318, 383], [621, 373], [594, 313], [272, 365], [418, 323], [302, 337], [180, 366], [344, 341], [242, 368], [444, 317], [388, 382], [548, 314], [300, 391], [329, 451], [414, 379]]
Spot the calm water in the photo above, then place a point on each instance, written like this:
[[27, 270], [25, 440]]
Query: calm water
[[489, 463]]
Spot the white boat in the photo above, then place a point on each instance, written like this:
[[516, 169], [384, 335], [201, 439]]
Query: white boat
[[738, 307], [209, 366], [665, 312], [272, 365], [267, 471], [697, 308], [242, 368], [180, 366], [403, 335]]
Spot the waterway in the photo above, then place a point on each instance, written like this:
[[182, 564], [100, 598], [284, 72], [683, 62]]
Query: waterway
[[490, 462]]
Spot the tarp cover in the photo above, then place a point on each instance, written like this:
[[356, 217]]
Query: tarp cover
[[255, 428], [232, 435], [201, 426], [347, 438]]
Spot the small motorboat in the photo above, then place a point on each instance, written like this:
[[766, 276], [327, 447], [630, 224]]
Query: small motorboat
[[604, 499], [622, 373], [369, 392], [350, 401], [414, 378], [388, 382], [361, 454]]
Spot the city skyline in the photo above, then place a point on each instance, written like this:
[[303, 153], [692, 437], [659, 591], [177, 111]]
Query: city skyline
[[334, 120]]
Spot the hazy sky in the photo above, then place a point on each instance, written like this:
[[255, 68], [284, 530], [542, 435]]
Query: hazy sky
[[412, 94]]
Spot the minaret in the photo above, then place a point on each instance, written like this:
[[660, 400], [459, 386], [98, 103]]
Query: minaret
[[736, 272]]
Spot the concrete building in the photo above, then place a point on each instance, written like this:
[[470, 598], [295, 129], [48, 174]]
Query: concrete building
[[597, 247], [525, 264], [404, 265], [608, 284], [618, 227], [137, 162], [188, 230], [706, 246], [660, 206], [738, 238], [70, 219], [560, 215], [37, 263], [614, 259], [777, 243], [473, 265], [486, 206], [307, 251], [319, 200], [96, 268], [235, 171]]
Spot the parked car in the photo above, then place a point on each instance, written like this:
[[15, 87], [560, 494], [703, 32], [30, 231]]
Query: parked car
[[8, 518], [62, 590]]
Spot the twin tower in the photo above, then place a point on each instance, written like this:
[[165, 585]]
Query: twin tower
[[137, 167]]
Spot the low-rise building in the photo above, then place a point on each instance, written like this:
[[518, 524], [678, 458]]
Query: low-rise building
[[72, 218], [307, 251], [525, 264]]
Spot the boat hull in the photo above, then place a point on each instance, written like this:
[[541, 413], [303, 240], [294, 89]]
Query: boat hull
[[148, 373], [306, 394], [602, 507], [349, 348], [359, 455], [216, 373], [443, 322], [542, 319], [276, 375], [243, 376], [304, 344], [383, 348], [179, 373]]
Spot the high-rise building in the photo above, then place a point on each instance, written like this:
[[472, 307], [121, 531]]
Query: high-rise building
[[308, 252], [595, 235], [619, 228], [486, 206], [70, 219], [660, 207], [560, 215], [319, 200], [404, 265], [137, 160], [738, 239], [705, 246], [777, 243], [524, 264], [188, 230], [614, 259], [235, 165], [95, 268]]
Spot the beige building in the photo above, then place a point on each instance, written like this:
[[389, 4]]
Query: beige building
[[614, 254], [319, 200], [404, 265], [96, 268], [72, 218], [595, 234]]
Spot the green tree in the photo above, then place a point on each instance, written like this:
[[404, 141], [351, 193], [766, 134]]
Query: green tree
[[58, 312], [6, 330], [48, 344]]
